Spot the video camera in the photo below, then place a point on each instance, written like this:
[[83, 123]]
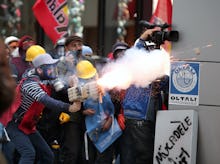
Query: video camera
[[158, 37]]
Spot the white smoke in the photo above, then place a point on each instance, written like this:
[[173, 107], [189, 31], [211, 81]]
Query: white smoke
[[137, 66]]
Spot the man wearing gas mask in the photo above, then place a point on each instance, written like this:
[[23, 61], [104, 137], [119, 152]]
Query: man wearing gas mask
[[73, 54], [34, 96], [72, 123]]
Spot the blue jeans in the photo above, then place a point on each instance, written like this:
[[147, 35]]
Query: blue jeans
[[30, 147]]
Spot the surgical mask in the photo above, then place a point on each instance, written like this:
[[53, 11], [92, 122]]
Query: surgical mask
[[15, 53]]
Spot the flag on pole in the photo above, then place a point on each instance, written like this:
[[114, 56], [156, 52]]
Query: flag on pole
[[53, 17], [163, 14]]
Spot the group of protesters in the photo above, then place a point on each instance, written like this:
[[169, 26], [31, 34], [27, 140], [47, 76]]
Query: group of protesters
[[61, 115]]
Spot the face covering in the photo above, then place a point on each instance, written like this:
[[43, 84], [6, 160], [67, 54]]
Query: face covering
[[49, 72], [15, 53]]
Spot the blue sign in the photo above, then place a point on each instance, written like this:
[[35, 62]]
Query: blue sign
[[184, 83]]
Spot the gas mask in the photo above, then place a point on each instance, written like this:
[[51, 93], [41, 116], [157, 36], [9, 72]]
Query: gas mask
[[76, 54], [50, 73]]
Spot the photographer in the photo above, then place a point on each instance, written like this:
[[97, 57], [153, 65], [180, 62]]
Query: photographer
[[140, 105]]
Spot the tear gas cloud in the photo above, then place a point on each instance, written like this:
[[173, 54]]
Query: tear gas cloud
[[138, 67]]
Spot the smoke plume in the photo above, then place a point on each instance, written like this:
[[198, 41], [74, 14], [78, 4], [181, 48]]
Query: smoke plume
[[138, 67]]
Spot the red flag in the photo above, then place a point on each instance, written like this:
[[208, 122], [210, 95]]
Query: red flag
[[53, 17], [163, 14]]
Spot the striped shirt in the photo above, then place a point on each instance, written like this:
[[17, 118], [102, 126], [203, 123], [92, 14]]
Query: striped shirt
[[31, 91]]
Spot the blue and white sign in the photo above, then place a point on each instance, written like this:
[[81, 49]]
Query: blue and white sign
[[184, 83]]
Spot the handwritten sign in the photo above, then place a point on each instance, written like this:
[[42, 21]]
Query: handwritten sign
[[176, 137]]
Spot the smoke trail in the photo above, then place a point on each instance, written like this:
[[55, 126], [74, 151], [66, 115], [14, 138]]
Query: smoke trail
[[137, 66]]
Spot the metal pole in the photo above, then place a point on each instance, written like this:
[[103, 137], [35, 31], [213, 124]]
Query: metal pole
[[101, 27]]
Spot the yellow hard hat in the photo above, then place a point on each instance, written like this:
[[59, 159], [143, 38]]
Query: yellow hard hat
[[85, 69], [34, 51]]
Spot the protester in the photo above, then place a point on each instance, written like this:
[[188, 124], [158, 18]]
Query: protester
[[117, 96], [101, 127], [73, 129], [11, 43], [140, 105], [34, 96], [58, 50], [18, 63], [7, 89]]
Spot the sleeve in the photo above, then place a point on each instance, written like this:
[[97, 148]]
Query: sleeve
[[52, 103], [33, 89], [139, 43]]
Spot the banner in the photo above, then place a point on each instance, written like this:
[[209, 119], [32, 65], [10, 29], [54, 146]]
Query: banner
[[53, 17], [163, 14]]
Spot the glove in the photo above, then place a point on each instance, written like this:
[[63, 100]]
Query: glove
[[77, 94], [73, 81], [121, 121], [92, 90], [75, 107], [64, 117]]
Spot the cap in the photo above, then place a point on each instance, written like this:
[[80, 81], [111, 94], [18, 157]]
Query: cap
[[73, 38], [11, 39], [86, 50], [60, 42], [44, 60], [119, 46]]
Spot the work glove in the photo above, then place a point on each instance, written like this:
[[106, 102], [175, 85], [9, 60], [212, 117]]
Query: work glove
[[75, 107], [77, 94], [80, 93], [73, 81], [64, 117], [92, 89], [121, 121]]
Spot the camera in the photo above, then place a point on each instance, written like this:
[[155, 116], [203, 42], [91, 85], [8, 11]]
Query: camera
[[158, 37]]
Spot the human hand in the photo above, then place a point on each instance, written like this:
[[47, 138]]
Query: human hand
[[75, 107], [145, 35], [73, 80], [89, 112], [92, 89], [77, 93], [107, 124]]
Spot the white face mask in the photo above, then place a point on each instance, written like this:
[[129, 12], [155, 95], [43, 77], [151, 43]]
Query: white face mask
[[15, 53]]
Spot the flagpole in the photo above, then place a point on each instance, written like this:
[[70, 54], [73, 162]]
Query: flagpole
[[75, 12]]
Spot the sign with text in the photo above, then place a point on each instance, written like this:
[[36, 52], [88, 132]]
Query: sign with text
[[184, 83], [176, 137]]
